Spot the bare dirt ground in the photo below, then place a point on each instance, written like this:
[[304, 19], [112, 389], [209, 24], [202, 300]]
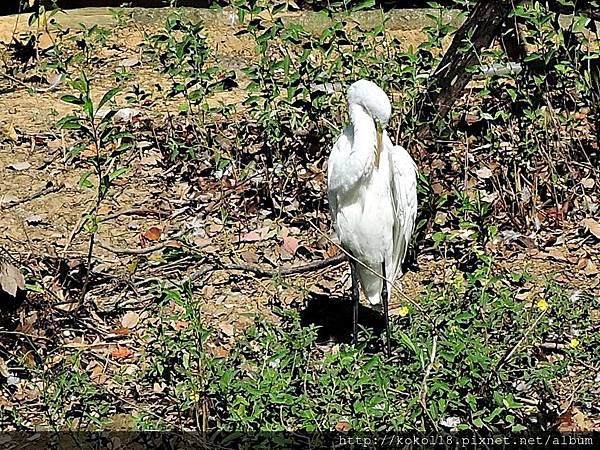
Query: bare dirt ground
[[42, 205]]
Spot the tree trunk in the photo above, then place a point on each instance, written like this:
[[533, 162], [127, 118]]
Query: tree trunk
[[475, 35]]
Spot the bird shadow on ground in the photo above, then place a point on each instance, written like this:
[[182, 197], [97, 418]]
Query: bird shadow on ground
[[333, 318]]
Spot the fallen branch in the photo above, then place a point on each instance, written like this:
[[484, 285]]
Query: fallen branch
[[265, 272], [138, 251], [51, 87], [49, 189], [135, 212]]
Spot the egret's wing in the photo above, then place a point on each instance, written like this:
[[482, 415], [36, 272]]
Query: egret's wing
[[404, 199], [335, 173]]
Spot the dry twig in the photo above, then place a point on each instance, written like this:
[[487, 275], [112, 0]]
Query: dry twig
[[48, 189]]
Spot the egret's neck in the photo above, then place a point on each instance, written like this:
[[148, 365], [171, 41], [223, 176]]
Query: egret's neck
[[364, 130]]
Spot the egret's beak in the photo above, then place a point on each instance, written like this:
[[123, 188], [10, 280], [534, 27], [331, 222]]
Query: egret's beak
[[379, 144]]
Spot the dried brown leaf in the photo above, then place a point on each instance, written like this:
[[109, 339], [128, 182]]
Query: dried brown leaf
[[130, 320], [249, 257], [252, 236], [10, 132], [179, 325], [343, 426], [588, 183], [290, 244], [153, 234], [121, 353], [484, 173], [4, 368], [558, 254], [11, 279], [122, 331], [593, 226], [96, 371], [226, 329], [591, 268], [332, 251]]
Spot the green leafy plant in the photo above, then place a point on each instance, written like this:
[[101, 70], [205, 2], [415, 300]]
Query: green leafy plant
[[105, 143]]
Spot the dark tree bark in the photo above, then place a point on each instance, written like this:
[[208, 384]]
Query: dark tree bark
[[475, 35], [484, 24]]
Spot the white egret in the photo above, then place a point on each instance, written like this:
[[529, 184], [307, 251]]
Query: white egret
[[372, 186]]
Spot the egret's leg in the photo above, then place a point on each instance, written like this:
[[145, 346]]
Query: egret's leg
[[355, 302], [384, 300]]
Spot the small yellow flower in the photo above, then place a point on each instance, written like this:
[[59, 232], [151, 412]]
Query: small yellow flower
[[403, 311], [194, 396], [542, 305], [574, 343]]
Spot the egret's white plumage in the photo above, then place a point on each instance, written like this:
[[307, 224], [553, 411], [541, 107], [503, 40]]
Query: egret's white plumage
[[372, 191]]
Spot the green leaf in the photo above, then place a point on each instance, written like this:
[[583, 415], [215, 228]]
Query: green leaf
[[72, 99], [117, 173], [365, 4], [108, 96], [88, 108], [84, 181], [69, 123]]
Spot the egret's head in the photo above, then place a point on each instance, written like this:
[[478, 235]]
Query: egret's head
[[372, 98], [376, 103]]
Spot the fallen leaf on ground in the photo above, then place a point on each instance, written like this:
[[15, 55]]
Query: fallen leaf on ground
[[130, 320], [208, 291], [4, 368], [249, 257], [5, 403], [220, 352], [557, 254], [121, 353], [153, 234], [96, 371], [332, 251], [122, 331], [129, 62], [572, 420], [227, 329], [588, 183], [256, 235], [89, 152], [179, 325], [592, 226], [290, 244], [23, 165], [343, 426], [484, 173], [10, 132], [11, 279], [591, 268]]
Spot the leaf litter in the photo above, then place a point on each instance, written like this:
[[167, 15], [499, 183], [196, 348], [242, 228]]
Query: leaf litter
[[248, 234]]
